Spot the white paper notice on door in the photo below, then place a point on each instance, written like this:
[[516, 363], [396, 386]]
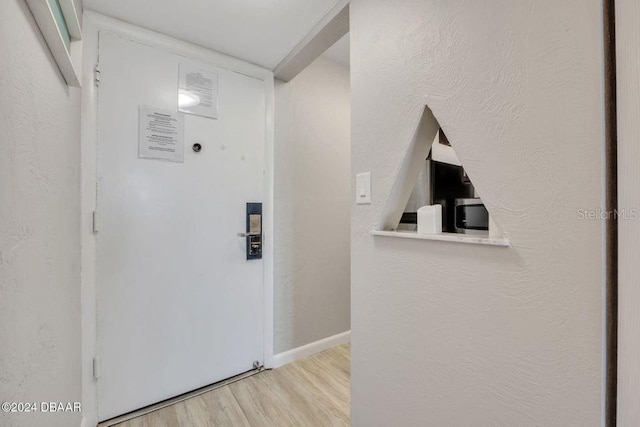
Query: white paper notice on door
[[161, 134], [198, 91]]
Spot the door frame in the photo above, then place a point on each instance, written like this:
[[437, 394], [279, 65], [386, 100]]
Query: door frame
[[94, 23], [610, 223], [626, 103]]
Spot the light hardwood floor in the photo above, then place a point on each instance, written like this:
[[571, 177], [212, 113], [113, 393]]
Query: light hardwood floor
[[311, 392]]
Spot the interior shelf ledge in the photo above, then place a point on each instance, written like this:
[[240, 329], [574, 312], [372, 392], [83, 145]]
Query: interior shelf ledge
[[446, 237]]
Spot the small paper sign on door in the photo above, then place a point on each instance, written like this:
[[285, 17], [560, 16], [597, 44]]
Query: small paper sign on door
[[161, 134], [198, 91]]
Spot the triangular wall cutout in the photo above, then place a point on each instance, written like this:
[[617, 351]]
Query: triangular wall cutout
[[431, 173]]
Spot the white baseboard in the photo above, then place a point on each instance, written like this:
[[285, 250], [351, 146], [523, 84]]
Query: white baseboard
[[307, 350]]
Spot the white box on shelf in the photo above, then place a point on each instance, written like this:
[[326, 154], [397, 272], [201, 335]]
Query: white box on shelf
[[430, 219]]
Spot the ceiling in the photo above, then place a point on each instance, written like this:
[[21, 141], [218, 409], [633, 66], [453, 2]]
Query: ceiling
[[262, 32], [340, 51]]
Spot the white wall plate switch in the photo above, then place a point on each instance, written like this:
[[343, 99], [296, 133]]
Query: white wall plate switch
[[363, 188]]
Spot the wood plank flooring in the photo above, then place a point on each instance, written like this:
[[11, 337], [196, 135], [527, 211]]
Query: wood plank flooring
[[311, 392]]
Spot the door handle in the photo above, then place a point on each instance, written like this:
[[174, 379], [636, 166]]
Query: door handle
[[248, 234], [253, 235]]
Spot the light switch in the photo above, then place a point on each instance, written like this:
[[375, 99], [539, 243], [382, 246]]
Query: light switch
[[363, 188]]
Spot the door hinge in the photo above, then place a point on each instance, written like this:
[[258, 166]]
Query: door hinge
[[96, 221], [96, 74], [96, 367]]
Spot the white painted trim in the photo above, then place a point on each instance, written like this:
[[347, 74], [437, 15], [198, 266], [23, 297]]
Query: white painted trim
[[628, 112], [331, 28], [67, 61], [70, 14], [268, 223], [95, 23], [446, 237], [310, 349], [89, 137], [178, 47]]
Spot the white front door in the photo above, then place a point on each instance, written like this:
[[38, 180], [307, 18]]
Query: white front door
[[179, 305]]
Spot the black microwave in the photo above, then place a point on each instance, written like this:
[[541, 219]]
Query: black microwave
[[470, 216]]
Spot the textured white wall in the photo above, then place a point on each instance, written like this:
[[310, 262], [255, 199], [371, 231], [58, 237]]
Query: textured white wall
[[446, 334], [39, 224], [312, 211], [628, 51]]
